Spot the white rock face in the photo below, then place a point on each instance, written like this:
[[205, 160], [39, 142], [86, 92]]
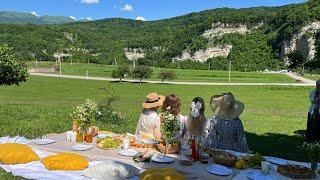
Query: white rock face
[[306, 45], [204, 55], [134, 54], [219, 29]]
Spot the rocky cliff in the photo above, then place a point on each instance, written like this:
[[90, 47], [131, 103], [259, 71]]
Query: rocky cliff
[[303, 42]]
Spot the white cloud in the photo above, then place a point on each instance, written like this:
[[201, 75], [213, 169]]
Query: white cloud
[[90, 1], [34, 13], [88, 19], [127, 8], [140, 18], [72, 17]]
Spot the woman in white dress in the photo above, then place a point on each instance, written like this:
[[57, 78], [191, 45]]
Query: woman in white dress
[[149, 121]]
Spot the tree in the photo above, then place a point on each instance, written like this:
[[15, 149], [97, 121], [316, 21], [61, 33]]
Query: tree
[[295, 59], [120, 72], [11, 72], [142, 72], [167, 75]]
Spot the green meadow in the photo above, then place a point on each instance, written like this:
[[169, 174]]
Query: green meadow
[[99, 70], [42, 105]]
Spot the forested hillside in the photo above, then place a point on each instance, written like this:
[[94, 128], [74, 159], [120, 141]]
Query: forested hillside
[[103, 41], [7, 17]]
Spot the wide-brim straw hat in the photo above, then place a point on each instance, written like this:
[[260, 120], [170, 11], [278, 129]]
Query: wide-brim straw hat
[[225, 106], [153, 100]]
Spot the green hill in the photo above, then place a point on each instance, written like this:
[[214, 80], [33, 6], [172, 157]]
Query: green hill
[[103, 41], [8, 17]]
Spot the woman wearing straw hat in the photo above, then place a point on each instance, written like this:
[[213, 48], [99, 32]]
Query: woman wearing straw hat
[[226, 130], [149, 121]]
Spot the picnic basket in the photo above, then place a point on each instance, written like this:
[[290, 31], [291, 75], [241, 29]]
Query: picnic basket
[[223, 157]]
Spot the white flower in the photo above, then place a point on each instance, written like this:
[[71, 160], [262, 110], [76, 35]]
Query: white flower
[[168, 108]]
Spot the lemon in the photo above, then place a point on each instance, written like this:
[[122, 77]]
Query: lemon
[[240, 164]]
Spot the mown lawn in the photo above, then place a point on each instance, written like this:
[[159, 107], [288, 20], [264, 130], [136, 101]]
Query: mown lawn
[[99, 70], [42, 105], [312, 76]]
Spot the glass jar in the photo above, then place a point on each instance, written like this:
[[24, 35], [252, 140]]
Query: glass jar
[[88, 138], [80, 137]]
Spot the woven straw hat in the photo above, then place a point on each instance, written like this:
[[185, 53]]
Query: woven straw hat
[[225, 106], [153, 100]]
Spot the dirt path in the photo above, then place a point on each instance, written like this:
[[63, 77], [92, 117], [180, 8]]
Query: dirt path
[[306, 82], [302, 79]]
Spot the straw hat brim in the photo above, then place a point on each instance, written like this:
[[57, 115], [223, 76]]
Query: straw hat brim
[[227, 114], [154, 104]]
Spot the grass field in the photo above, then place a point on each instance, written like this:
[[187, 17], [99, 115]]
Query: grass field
[[312, 76], [97, 70], [42, 105]]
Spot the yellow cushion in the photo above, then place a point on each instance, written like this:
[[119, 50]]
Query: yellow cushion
[[11, 153], [65, 161], [161, 174]]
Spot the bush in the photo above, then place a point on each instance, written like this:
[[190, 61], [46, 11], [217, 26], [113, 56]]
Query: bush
[[142, 72], [120, 72], [167, 75], [11, 72], [107, 114]]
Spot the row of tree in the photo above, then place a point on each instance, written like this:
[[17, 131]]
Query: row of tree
[[140, 72]]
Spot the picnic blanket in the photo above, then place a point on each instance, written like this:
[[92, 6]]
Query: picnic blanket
[[35, 170]]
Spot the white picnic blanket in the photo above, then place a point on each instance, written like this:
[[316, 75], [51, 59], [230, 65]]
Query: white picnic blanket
[[36, 170]]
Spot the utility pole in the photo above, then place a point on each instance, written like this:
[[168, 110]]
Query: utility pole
[[230, 71], [209, 65], [134, 64], [60, 66]]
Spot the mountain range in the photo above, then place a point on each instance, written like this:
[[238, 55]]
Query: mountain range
[[252, 38]]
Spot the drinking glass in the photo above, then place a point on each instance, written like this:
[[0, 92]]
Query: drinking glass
[[265, 167], [125, 143]]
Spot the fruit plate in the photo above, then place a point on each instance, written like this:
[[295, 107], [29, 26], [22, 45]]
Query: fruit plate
[[219, 170], [159, 158], [128, 152], [100, 143], [81, 147], [44, 141]]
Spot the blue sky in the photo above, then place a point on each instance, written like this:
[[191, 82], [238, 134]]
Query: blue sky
[[147, 9]]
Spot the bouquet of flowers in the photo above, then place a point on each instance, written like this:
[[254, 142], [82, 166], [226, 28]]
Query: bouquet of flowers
[[312, 150], [169, 126], [85, 114]]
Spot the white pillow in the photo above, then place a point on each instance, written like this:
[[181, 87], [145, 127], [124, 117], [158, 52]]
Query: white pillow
[[112, 170]]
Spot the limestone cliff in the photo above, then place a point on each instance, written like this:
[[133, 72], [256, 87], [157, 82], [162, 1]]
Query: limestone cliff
[[304, 41]]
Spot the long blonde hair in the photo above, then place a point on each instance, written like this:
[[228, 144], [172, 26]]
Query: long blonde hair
[[196, 125]]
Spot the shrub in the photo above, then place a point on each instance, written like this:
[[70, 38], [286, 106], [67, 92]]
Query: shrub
[[167, 75], [11, 72], [107, 114], [120, 72], [142, 72]]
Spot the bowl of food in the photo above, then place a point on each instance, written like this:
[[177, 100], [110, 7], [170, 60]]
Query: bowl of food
[[172, 148], [108, 143], [295, 171]]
